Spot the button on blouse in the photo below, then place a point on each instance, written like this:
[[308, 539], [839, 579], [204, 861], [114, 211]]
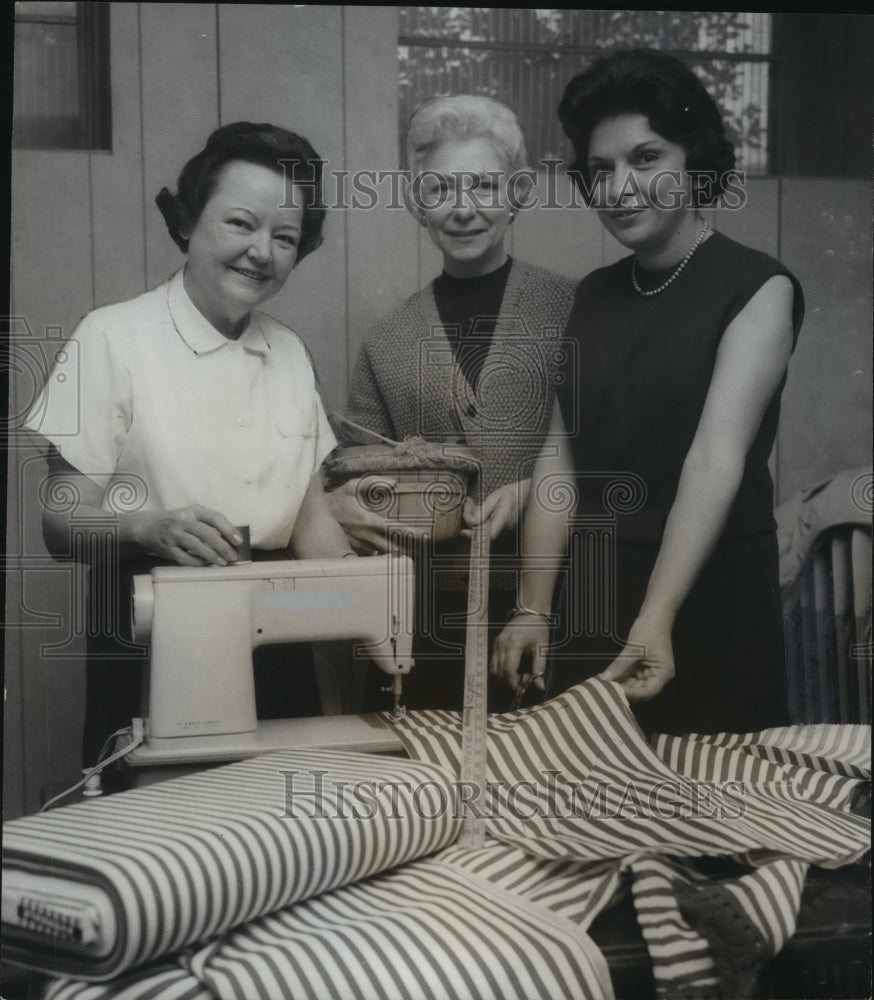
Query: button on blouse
[[173, 409]]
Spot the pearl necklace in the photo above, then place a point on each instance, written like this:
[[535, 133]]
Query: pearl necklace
[[657, 291]]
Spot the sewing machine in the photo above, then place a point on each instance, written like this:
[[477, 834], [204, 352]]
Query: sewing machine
[[203, 623]]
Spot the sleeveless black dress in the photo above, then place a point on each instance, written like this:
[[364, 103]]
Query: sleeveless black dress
[[637, 377]]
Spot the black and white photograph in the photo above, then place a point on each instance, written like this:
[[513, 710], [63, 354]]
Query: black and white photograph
[[439, 504]]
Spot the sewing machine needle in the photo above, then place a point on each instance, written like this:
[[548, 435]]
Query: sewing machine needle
[[397, 690]]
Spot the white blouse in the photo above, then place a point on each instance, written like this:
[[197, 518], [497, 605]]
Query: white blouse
[[168, 412]]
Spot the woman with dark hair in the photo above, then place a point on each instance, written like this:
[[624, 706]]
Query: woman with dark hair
[[197, 414], [284, 153], [682, 350]]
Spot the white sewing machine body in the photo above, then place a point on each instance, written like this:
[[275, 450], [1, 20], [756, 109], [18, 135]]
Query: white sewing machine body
[[203, 623]]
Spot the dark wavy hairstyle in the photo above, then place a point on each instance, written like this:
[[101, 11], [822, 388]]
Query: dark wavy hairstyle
[[265, 145], [667, 92]]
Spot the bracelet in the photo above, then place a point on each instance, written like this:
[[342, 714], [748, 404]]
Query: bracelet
[[349, 553], [520, 609]]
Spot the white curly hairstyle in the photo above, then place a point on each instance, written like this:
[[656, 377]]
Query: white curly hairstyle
[[465, 116]]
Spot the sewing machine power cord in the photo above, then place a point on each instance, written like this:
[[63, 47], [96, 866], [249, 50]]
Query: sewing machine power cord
[[134, 731]]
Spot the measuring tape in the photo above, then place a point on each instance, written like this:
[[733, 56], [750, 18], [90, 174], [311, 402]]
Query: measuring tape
[[474, 715]]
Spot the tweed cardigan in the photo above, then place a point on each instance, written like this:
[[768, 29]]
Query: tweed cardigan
[[406, 380]]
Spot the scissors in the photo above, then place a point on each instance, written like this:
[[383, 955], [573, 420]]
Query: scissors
[[521, 688]]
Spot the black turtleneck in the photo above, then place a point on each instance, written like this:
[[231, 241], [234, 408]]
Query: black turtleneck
[[469, 309]]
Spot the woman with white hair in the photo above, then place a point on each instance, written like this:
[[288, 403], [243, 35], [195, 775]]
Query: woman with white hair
[[470, 357]]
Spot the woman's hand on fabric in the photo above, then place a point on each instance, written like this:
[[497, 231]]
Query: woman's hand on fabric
[[525, 637], [646, 664], [189, 536], [365, 528], [501, 509]]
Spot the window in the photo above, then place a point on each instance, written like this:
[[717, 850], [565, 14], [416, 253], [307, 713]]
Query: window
[[62, 98], [525, 57]]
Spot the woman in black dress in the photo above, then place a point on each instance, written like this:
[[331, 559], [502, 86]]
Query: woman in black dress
[[674, 395]]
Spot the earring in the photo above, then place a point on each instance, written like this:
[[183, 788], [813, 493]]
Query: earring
[[422, 219], [512, 215]]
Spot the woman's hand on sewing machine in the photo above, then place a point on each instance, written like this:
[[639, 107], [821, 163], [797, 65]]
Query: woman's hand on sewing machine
[[523, 636], [500, 510], [646, 664], [189, 536]]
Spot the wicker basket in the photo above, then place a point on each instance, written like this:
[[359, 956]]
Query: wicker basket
[[431, 483]]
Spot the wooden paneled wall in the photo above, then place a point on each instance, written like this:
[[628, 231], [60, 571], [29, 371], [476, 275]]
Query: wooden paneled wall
[[86, 232]]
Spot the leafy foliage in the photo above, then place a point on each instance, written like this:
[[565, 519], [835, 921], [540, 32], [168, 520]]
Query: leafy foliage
[[526, 56]]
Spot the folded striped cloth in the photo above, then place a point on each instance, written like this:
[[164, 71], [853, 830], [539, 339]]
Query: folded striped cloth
[[167, 980], [579, 804], [575, 778], [101, 886], [711, 937], [424, 931]]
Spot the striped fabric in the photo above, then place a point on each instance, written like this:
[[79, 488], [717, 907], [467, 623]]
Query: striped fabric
[[593, 789], [577, 804], [682, 963], [187, 859], [425, 931], [577, 890], [165, 981], [824, 749], [574, 779], [709, 938]]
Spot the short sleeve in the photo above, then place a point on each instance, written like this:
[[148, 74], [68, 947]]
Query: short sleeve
[[325, 440], [84, 409]]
